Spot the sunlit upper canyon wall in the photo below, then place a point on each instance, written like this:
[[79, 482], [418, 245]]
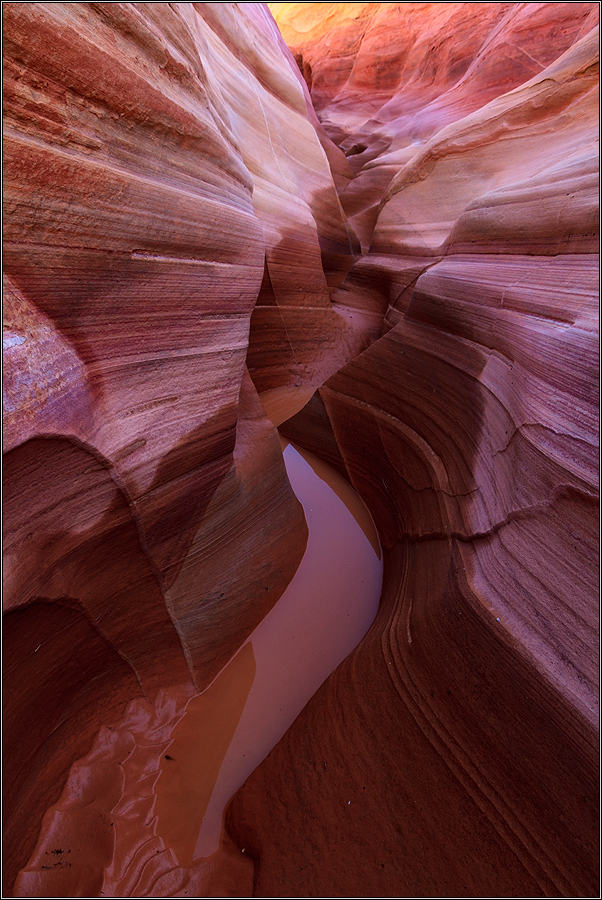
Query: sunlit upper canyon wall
[[370, 229]]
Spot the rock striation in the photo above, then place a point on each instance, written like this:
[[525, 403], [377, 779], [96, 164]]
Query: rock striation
[[385, 78], [384, 241], [139, 460], [470, 428]]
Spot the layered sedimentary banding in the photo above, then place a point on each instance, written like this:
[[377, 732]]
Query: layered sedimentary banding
[[135, 255], [141, 813], [471, 427], [190, 260], [386, 79]]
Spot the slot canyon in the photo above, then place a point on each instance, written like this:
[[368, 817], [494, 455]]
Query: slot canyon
[[300, 342]]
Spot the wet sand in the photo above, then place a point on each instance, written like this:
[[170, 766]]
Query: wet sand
[[321, 617], [139, 815]]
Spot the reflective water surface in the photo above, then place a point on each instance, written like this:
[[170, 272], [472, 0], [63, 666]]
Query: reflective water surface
[[325, 611]]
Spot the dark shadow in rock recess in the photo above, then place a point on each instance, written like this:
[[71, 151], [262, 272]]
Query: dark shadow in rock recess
[[185, 481], [72, 533], [311, 429], [61, 681], [101, 636]]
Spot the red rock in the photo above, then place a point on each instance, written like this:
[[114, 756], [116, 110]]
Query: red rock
[[180, 237], [45, 382], [134, 255], [386, 78], [470, 430]]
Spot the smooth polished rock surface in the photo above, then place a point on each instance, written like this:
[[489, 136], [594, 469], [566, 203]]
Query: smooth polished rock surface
[[384, 241], [470, 429], [385, 78], [144, 485]]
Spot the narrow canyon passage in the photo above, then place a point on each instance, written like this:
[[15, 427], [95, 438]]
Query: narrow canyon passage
[[321, 617], [300, 312], [213, 741]]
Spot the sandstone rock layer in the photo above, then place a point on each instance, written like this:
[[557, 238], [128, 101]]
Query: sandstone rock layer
[[384, 241], [471, 426]]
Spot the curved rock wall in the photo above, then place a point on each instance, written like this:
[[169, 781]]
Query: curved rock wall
[[180, 236], [138, 176], [454, 753], [385, 78]]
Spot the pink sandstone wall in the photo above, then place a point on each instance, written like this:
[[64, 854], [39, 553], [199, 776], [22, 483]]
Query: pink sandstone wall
[[398, 219]]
